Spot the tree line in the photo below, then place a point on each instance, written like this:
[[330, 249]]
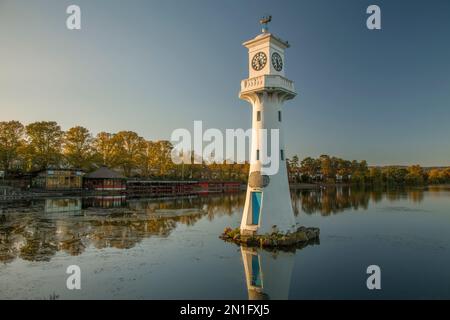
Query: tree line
[[329, 169], [42, 145]]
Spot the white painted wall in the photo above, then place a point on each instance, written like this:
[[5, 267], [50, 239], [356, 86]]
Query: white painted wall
[[275, 273]]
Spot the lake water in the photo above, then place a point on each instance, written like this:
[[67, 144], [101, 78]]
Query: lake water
[[169, 249]]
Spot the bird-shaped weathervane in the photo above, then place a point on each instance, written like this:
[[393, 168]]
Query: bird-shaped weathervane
[[265, 21]]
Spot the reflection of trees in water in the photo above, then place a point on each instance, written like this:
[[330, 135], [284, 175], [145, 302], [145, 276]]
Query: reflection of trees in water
[[415, 195], [330, 200], [33, 235], [213, 206], [220, 206], [333, 200]]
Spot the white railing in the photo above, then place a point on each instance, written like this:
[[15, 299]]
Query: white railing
[[267, 81]]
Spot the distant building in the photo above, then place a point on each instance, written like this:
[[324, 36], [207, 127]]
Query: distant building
[[105, 179], [58, 179]]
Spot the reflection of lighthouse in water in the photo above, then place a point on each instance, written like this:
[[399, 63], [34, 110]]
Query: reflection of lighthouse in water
[[268, 274]]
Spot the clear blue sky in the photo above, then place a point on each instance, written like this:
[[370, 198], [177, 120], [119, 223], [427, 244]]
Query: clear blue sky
[[154, 66]]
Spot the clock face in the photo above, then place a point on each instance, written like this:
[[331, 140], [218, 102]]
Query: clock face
[[259, 61], [277, 62]]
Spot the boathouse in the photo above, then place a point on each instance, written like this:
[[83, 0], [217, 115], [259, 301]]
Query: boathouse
[[105, 179], [58, 179]]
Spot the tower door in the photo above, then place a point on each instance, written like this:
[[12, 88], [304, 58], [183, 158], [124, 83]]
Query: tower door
[[256, 272], [256, 207]]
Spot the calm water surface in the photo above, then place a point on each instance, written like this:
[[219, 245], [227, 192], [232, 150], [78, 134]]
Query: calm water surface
[[169, 249]]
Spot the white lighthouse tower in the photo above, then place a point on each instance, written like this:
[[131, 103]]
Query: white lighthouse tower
[[268, 204], [267, 274]]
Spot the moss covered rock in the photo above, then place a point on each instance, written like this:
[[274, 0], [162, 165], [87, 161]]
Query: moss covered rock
[[299, 238]]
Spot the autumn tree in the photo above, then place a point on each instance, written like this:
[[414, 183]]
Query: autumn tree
[[294, 168], [105, 150], [415, 175], [78, 149], [394, 175], [376, 176], [165, 164], [310, 166], [446, 174], [130, 147], [360, 172], [149, 158], [435, 176], [44, 144], [11, 141], [344, 169], [327, 168]]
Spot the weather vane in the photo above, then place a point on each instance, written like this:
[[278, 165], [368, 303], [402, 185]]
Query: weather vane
[[265, 21]]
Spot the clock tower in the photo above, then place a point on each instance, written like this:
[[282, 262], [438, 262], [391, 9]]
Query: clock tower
[[268, 205]]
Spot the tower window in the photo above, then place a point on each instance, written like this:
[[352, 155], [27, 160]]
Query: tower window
[[279, 116], [282, 154], [257, 154], [258, 116]]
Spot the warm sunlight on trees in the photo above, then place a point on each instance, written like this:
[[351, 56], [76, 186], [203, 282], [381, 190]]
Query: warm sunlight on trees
[[105, 150], [415, 175], [310, 166], [77, 149], [44, 144], [437, 176], [130, 147], [11, 141], [332, 170]]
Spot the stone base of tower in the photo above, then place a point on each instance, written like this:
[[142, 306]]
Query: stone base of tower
[[298, 239], [268, 205]]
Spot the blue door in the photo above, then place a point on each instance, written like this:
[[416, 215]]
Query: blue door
[[256, 272], [256, 207]]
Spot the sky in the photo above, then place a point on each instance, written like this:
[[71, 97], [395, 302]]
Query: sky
[[152, 66]]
